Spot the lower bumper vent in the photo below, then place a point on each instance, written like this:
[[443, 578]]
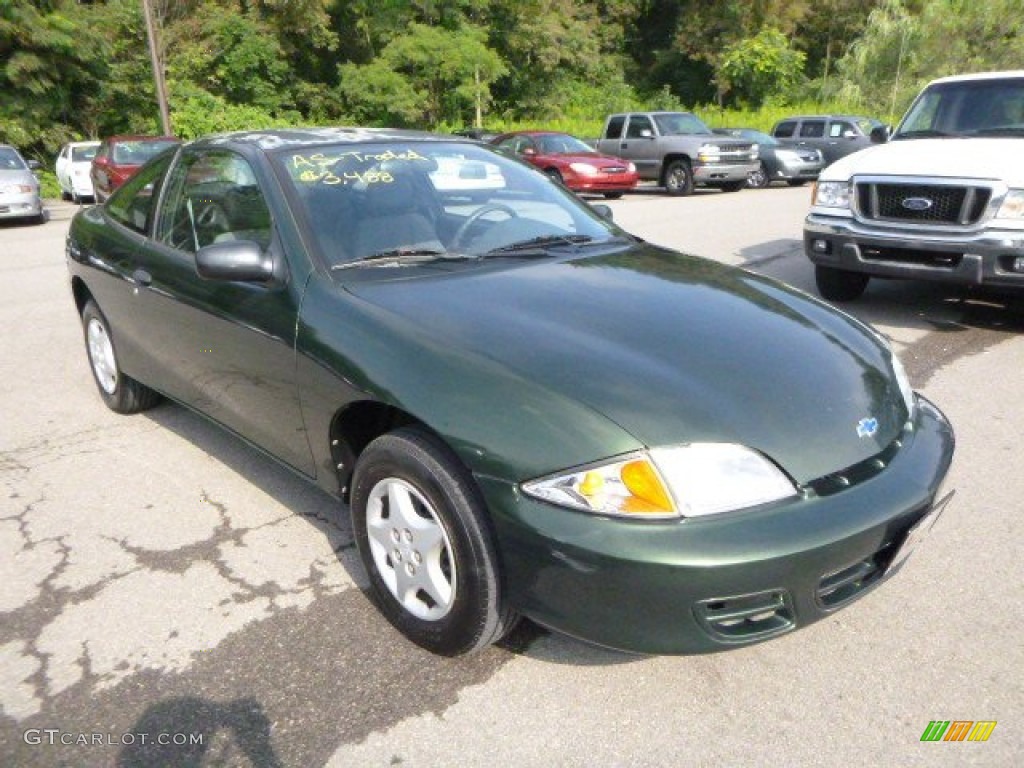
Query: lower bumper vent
[[840, 587], [747, 617]]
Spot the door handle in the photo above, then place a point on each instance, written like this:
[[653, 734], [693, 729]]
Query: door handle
[[142, 278]]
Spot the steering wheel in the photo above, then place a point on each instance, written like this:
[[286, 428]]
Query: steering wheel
[[211, 216], [475, 216]]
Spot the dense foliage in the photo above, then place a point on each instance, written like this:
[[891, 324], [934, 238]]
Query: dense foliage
[[71, 69]]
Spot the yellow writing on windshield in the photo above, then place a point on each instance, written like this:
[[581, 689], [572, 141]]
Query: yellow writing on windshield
[[335, 168]]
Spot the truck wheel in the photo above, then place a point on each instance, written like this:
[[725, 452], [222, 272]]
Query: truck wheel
[[758, 179], [678, 178], [839, 284]]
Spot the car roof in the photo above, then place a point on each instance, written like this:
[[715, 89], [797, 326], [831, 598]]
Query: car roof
[[824, 117], [94, 143], [284, 138], [980, 76], [138, 137]]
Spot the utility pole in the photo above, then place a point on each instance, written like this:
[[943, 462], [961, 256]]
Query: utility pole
[[158, 70]]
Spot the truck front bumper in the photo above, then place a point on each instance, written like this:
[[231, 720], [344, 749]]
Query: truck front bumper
[[991, 257], [715, 173]]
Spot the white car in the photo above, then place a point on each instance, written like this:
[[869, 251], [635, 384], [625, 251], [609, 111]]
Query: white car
[[73, 165]]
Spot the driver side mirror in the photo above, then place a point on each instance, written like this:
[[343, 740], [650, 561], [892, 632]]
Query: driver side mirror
[[236, 260], [33, 165], [880, 134]]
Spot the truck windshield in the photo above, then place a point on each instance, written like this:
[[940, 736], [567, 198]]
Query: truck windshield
[[969, 108], [679, 124]]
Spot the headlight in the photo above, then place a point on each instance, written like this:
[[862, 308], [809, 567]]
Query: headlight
[[903, 381], [1013, 205], [583, 169], [709, 153], [832, 194], [678, 481]]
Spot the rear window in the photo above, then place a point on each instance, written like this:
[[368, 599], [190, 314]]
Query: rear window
[[83, 154]]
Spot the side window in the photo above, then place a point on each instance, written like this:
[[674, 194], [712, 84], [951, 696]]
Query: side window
[[637, 124], [837, 128], [812, 129], [784, 130], [132, 203], [212, 197], [615, 127]]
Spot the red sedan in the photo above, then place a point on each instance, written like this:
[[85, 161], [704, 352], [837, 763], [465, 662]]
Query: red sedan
[[568, 160], [119, 157]]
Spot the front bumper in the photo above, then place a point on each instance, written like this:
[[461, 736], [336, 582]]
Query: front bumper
[[703, 585], [975, 258], [621, 182], [715, 173], [798, 169]]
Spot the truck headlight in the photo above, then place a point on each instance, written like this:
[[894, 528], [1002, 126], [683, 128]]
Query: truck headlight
[[832, 194], [1013, 205]]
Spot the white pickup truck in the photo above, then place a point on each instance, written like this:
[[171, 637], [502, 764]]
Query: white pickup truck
[[942, 199]]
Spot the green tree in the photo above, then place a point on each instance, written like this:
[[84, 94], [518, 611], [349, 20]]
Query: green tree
[[757, 69], [423, 77]]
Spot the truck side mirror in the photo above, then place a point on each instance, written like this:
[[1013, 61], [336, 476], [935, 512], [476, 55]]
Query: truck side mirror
[[880, 134]]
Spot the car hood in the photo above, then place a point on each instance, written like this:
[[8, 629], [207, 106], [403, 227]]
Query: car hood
[[673, 349], [18, 176], [972, 158]]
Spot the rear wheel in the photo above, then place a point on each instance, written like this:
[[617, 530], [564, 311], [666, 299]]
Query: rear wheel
[[678, 178], [120, 392], [424, 537], [839, 284]]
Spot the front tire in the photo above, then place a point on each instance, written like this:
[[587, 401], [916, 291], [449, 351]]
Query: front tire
[[120, 392], [678, 178], [839, 284], [759, 179], [424, 537]]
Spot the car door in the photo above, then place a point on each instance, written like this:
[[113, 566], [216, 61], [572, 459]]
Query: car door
[[639, 145], [842, 138], [811, 134], [225, 348], [63, 168]]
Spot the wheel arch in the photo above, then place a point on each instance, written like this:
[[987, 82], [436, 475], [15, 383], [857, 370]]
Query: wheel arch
[[81, 293], [670, 158], [355, 426]]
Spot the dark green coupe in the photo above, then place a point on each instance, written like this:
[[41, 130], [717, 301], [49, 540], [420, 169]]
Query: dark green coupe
[[529, 411]]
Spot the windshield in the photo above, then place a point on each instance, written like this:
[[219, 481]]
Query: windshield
[[432, 200], [83, 154], [679, 124], [967, 108], [138, 152], [10, 160], [563, 144]]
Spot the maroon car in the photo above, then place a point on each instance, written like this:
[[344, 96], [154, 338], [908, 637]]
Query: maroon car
[[568, 160], [119, 157]]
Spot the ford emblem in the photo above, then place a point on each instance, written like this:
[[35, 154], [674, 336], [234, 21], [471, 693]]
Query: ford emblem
[[917, 203], [867, 427]]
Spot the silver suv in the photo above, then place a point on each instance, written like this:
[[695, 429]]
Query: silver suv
[[835, 136]]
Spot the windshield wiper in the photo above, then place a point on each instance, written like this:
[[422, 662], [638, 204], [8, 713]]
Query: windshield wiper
[[1004, 130], [538, 244], [924, 133], [402, 257]]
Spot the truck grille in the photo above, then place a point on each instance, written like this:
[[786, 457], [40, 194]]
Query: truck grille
[[960, 205]]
